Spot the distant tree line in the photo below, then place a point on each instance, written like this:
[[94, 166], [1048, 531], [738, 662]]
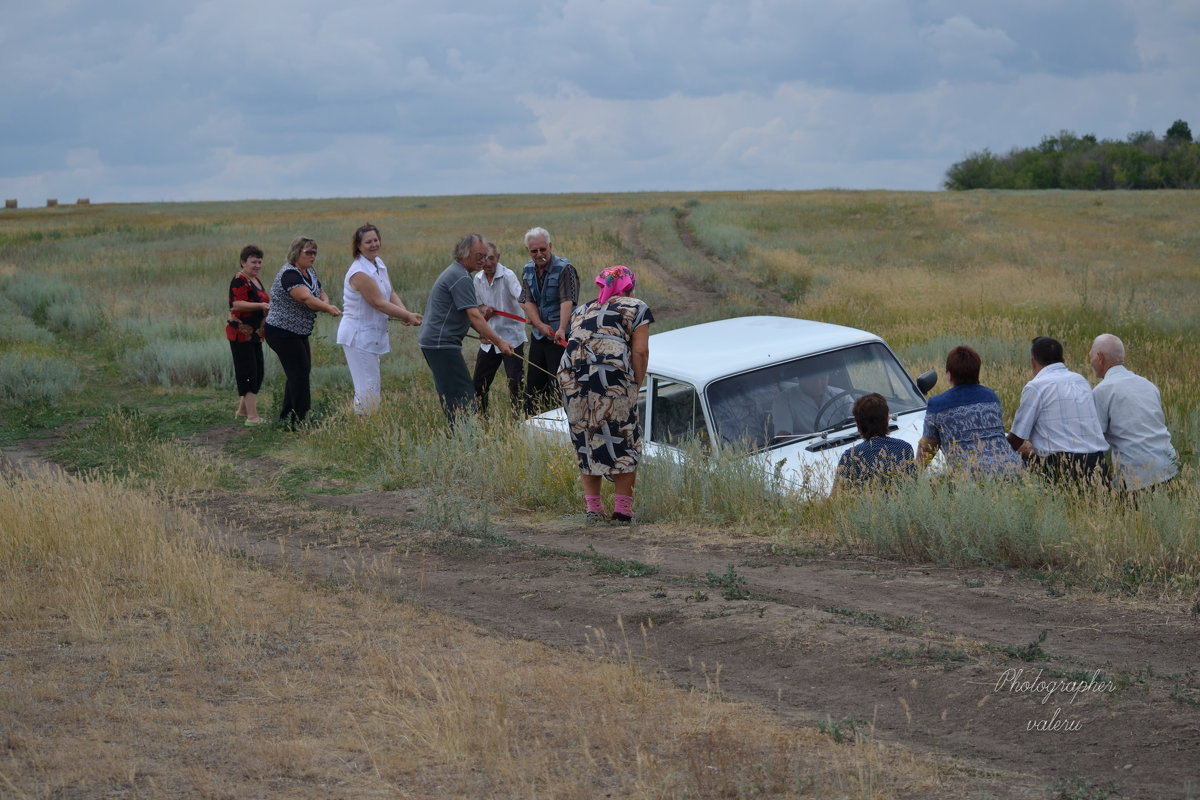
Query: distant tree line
[[1067, 161]]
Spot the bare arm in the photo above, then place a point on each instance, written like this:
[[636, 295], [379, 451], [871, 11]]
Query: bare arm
[[1022, 446], [639, 352], [392, 306], [246, 305], [926, 450], [302, 295], [486, 333], [535, 319], [564, 315], [413, 317]]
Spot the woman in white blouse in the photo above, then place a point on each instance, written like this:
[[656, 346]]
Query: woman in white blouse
[[368, 301]]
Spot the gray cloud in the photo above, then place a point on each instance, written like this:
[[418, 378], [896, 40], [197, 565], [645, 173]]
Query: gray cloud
[[223, 99]]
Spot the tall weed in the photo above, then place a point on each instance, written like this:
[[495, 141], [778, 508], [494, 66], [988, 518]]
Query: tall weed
[[167, 362], [1089, 531], [91, 550], [53, 304], [701, 487]]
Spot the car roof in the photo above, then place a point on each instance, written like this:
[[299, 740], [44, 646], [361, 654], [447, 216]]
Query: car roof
[[702, 353]]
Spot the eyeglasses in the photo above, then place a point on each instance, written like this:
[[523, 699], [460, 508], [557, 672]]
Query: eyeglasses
[[539, 250]]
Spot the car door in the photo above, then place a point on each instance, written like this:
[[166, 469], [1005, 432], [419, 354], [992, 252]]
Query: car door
[[675, 413]]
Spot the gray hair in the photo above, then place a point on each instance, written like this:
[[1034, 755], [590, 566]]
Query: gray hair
[[538, 233], [1109, 346], [463, 248]]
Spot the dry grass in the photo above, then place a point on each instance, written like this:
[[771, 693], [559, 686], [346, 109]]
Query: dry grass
[[137, 663]]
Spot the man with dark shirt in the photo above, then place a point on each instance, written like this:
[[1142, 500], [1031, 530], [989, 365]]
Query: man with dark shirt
[[450, 311], [549, 291]]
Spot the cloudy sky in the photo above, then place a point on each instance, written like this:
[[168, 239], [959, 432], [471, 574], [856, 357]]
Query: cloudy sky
[[128, 100]]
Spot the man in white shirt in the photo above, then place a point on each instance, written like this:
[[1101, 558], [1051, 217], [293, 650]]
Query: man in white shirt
[[1056, 424], [497, 289], [1131, 417]]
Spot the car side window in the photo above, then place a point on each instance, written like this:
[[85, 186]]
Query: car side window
[[675, 412]]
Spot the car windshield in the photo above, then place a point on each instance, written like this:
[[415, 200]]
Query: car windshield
[[800, 398]]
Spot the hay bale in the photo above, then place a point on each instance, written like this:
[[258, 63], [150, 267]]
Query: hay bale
[[83, 201], [10, 203], [51, 203]]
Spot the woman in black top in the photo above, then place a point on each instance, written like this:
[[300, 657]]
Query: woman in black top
[[248, 304], [296, 297]]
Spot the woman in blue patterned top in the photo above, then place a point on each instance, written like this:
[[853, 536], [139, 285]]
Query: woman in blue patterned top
[[878, 458], [966, 422]]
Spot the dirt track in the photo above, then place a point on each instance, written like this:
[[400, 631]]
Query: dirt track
[[919, 655]]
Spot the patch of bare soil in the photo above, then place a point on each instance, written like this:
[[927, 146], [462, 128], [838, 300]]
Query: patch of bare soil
[[686, 297], [771, 301], [951, 662]]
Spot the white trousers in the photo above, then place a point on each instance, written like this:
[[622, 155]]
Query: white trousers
[[364, 372]]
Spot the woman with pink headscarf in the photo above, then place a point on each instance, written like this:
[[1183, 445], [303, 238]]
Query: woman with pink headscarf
[[601, 370]]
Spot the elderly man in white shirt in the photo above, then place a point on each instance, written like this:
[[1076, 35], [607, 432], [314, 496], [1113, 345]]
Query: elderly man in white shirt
[[1132, 419], [1056, 423], [497, 289]]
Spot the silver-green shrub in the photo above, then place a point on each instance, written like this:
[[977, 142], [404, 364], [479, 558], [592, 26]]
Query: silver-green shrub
[[180, 363], [30, 379]]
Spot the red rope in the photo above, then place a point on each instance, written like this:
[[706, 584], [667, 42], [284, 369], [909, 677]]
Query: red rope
[[561, 342]]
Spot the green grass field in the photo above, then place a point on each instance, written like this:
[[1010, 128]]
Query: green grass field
[[114, 323]]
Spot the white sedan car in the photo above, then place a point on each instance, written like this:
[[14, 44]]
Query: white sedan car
[[775, 388]]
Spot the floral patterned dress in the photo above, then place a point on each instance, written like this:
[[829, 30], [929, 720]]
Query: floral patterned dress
[[598, 385]]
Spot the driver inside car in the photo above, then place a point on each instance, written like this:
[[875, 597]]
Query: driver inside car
[[796, 410]]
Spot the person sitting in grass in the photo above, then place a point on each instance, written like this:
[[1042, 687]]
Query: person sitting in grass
[[878, 459], [1132, 420], [965, 422], [1056, 427]]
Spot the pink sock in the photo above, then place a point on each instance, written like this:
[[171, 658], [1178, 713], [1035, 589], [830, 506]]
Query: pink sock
[[594, 504], [623, 504]]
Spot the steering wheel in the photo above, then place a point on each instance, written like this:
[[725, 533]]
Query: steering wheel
[[828, 406]]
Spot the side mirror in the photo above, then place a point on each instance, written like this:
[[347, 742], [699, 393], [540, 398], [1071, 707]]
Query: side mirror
[[926, 381]]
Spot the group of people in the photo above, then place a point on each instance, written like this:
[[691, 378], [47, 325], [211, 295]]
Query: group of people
[[1064, 428], [477, 291], [283, 317], [590, 358]]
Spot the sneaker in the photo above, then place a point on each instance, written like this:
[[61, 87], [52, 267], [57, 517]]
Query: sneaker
[[621, 519], [596, 518]]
